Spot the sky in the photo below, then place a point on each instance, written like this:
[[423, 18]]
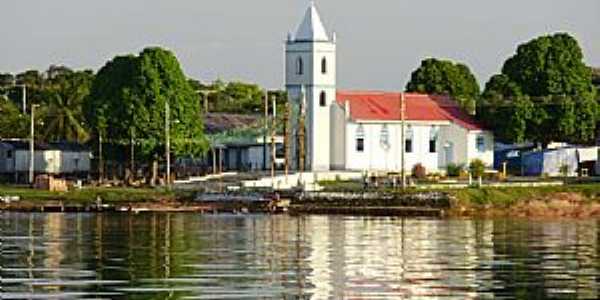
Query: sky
[[380, 42]]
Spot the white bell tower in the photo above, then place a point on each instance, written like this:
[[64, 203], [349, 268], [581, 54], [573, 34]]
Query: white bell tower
[[310, 80]]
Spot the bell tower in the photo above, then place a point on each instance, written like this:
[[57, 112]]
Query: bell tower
[[310, 80]]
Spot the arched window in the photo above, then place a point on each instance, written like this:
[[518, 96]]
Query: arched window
[[360, 139], [385, 138], [433, 137], [299, 66], [408, 140], [323, 99], [324, 65]]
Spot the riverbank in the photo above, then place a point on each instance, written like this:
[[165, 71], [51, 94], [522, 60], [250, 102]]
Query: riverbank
[[569, 201]]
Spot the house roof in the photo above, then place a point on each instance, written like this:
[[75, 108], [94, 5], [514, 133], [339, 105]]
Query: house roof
[[220, 122], [385, 106], [311, 29], [62, 146]]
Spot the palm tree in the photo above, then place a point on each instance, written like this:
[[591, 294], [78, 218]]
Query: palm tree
[[62, 113]]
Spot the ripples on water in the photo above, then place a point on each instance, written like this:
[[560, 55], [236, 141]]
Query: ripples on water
[[189, 256]]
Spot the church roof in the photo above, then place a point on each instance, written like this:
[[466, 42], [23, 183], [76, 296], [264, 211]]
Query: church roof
[[385, 106], [311, 29]]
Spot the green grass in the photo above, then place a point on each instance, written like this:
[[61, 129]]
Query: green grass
[[505, 197], [89, 195]]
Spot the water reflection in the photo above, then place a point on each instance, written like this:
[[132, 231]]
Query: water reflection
[[189, 256]]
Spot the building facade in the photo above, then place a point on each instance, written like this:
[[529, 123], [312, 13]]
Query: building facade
[[362, 130]]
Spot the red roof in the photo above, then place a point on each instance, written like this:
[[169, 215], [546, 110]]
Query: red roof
[[385, 106]]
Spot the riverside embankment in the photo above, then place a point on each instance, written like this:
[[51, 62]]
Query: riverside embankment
[[569, 201]]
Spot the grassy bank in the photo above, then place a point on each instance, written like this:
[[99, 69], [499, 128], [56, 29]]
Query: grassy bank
[[89, 195]]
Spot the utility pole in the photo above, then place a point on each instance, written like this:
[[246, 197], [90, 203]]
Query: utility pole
[[168, 143], [273, 149], [32, 145], [301, 133], [100, 159], [23, 97], [286, 139], [403, 140], [265, 130]]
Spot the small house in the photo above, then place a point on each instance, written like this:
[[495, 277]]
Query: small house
[[58, 159]]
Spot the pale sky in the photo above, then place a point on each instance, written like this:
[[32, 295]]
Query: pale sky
[[380, 42]]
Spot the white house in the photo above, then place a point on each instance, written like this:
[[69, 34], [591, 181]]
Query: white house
[[361, 130], [54, 159]]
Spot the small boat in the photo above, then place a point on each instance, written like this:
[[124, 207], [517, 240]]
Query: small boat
[[232, 197]]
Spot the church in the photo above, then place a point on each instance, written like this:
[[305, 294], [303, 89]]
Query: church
[[369, 130]]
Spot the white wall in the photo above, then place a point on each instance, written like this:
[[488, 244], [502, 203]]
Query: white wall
[[53, 161], [313, 82], [338, 137], [487, 156], [375, 157]]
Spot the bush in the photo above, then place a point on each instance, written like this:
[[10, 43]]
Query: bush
[[419, 171], [477, 168], [453, 170]]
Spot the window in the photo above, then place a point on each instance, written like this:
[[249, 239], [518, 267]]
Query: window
[[433, 137], [360, 139], [480, 141], [9, 154], [324, 66], [360, 144], [408, 147], [299, 66], [432, 146], [323, 99], [408, 140], [385, 138]]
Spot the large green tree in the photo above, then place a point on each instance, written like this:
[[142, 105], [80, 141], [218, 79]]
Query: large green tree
[[548, 74], [128, 103], [445, 77]]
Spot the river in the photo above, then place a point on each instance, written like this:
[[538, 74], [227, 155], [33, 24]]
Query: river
[[192, 256]]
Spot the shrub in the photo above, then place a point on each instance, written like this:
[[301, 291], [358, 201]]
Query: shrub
[[564, 170], [419, 171], [477, 168], [453, 170]]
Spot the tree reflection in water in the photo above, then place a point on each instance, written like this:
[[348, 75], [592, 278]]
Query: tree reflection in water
[[190, 256]]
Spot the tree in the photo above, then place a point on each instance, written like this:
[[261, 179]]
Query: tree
[[128, 99], [13, 124], [62, 113], [550, 65], [596, 80], [544, 94], [445, 78]]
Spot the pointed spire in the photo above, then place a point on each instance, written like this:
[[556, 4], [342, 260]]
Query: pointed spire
[[311, 29]]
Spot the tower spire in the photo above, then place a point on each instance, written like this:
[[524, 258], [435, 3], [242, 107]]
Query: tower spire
[[311, 29]]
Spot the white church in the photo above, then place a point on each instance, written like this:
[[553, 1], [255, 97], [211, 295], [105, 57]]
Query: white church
[[362, 130]]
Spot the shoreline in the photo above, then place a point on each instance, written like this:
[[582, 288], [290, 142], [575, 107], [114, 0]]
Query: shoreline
[[563, 202]]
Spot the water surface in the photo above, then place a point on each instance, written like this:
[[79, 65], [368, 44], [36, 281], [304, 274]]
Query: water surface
[[191, 256]]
